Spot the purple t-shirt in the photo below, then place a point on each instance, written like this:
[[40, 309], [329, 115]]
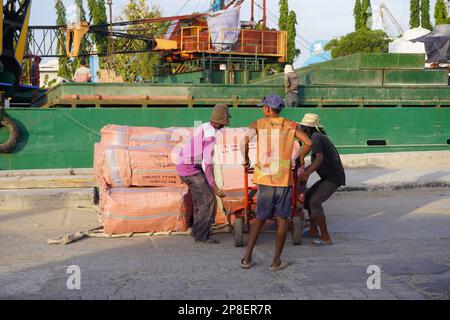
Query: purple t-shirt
[[197, 155]]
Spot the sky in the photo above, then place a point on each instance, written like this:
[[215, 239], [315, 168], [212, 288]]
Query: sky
[[317, 19]]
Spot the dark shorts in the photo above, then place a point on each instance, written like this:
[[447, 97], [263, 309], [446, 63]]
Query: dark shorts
[[273, 201], [320, 192]]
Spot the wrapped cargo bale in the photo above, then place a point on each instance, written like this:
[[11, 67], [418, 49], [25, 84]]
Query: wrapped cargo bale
[[114, 166], [124, 136], [98, 175], [98, 159], [154, 166], [186, 213], [142, 209], [231, 159], [145, 166], [148, 210], [228, 143]]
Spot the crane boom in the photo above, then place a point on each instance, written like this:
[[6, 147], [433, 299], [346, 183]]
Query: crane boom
[[392, 18]]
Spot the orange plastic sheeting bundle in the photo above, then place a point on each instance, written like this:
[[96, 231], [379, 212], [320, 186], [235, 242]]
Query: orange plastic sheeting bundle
[[98, 175], [230, 157], [146, 166], [154, 166], [144, 210], [124, 136]]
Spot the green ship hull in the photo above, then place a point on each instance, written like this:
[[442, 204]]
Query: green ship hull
[[369, 103]]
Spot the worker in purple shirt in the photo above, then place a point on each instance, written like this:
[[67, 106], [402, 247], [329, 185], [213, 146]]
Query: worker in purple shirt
[[195, 168]]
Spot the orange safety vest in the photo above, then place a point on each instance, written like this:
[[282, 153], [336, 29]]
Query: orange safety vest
[[274, 151]]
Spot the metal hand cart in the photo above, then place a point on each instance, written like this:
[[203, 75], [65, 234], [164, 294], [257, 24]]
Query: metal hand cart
[[243, 215]]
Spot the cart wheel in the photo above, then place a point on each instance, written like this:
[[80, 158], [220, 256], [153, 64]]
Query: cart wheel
[[297, 231], [239, 232]]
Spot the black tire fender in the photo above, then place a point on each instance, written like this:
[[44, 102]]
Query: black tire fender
[[13, 139]]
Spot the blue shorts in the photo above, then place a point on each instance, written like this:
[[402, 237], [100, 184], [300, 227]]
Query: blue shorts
[[273, 201]]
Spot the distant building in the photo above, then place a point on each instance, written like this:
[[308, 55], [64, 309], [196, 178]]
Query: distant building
[[318, 53], [48, 72]]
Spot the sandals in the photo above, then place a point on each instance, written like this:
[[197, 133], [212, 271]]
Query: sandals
[[282, 266], [306, 234], [250, 264], [247, 265], [321, 243]]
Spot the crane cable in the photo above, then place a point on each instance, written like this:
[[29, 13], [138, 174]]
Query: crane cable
[[273, 17], [184, 6]]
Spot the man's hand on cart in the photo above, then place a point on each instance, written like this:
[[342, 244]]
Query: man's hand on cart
[[247, 165], [301, 161], [219, 192], [303, 177]]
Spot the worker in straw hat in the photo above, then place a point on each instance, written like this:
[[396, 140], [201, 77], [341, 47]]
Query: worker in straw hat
[[196, 168], [290, 86], [327, 163]]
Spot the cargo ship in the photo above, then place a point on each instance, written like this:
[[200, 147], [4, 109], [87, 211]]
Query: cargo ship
[[369, 103]]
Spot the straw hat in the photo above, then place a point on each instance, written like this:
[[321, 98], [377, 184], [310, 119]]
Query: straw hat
[[311, 120], [220, 114]]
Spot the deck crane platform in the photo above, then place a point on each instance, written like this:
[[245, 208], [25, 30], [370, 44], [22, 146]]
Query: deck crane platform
[[183, 42]]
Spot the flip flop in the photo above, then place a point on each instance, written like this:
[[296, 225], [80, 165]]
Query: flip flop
[[247, 265], [282, 266], [306, 234], [321, 243]]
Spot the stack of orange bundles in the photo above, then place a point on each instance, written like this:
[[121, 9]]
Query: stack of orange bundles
[[138, 185], [140, 190]]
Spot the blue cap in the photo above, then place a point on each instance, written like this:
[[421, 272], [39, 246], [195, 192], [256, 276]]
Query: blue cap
[[272, 101]]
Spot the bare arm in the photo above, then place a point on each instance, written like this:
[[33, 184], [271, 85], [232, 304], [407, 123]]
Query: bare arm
[[315, 165], [244, 146], [307, 143], [208, 156], [311, 168]]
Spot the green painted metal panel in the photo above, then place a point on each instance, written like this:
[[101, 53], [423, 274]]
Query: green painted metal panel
[[360, 98], [373, 77], [247, 95], [189, 77], [340, 76], [360, 62], [375, 61], [198, 77], [218, 77], [369, 96], [415, 77], [62, 138], [390, 61], [4, 134]]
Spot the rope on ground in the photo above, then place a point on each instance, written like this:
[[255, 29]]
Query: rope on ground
[[69, 238], [98, 232]]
